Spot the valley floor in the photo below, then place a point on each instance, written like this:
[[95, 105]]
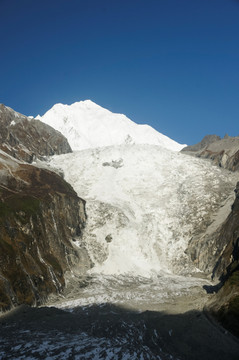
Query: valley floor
[[175, 328]]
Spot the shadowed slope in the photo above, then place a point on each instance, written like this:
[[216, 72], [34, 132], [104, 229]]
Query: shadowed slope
[[110, 332]]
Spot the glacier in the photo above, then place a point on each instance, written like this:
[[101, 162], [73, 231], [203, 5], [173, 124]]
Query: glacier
[[144, 203]]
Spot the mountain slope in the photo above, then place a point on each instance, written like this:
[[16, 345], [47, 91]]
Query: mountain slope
[[35, 233], [223, 152], [27, 139], [88, 125]]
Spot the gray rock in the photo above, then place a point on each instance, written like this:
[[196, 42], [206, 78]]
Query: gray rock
[[27, 139], [208, 139], [108, 238], [114, 163], [223, 152], [225, 306]]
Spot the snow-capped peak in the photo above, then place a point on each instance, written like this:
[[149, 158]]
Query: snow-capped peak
[[88, 125]]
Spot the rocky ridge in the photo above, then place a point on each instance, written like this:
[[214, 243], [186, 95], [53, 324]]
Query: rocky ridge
[[223, 152], [28, 139]]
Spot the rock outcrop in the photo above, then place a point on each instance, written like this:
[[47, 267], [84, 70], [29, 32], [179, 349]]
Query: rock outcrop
[[217, 254], [228, 262], [223, 152], [206, 247], [26, 139], [40, 216], [207, 140], [225, 306], [217, 251]]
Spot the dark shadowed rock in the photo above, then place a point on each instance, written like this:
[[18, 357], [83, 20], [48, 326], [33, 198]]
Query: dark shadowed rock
[[228, 262], [40, 215], [217, 252], [27, 139], [222, 249]]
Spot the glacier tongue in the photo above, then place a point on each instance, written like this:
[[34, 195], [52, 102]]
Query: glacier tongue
[[88, 125], [144, 204]]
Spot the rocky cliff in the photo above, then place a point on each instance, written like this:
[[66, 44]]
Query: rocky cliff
[[217, 254], [40, 216], [206, 247], [228, 261], [27, 139], [217, 251], [225, 306], [206, 250], [223, 152]]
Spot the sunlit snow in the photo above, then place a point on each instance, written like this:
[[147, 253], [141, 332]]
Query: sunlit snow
[[88, 125], [144, 203]]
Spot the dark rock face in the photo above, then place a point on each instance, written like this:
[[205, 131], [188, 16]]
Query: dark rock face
[[217, 251], [205, 248], [40, 215], [228, 262], [225, 306], [223, 152], [27, 139]]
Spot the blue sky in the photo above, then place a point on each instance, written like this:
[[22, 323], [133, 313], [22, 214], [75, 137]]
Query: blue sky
[[173, 64]]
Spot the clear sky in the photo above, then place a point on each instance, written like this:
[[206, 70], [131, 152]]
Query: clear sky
[[173, 64]]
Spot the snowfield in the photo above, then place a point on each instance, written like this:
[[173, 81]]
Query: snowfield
[[88, 125]]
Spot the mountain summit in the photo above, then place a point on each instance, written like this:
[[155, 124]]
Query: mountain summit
[[88, 125]]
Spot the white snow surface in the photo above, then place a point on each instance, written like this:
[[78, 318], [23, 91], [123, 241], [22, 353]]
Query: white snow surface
[[144, 203], [88, 125]]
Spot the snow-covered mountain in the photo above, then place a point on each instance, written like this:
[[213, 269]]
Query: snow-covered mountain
[[148, 208], [88, 125]]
